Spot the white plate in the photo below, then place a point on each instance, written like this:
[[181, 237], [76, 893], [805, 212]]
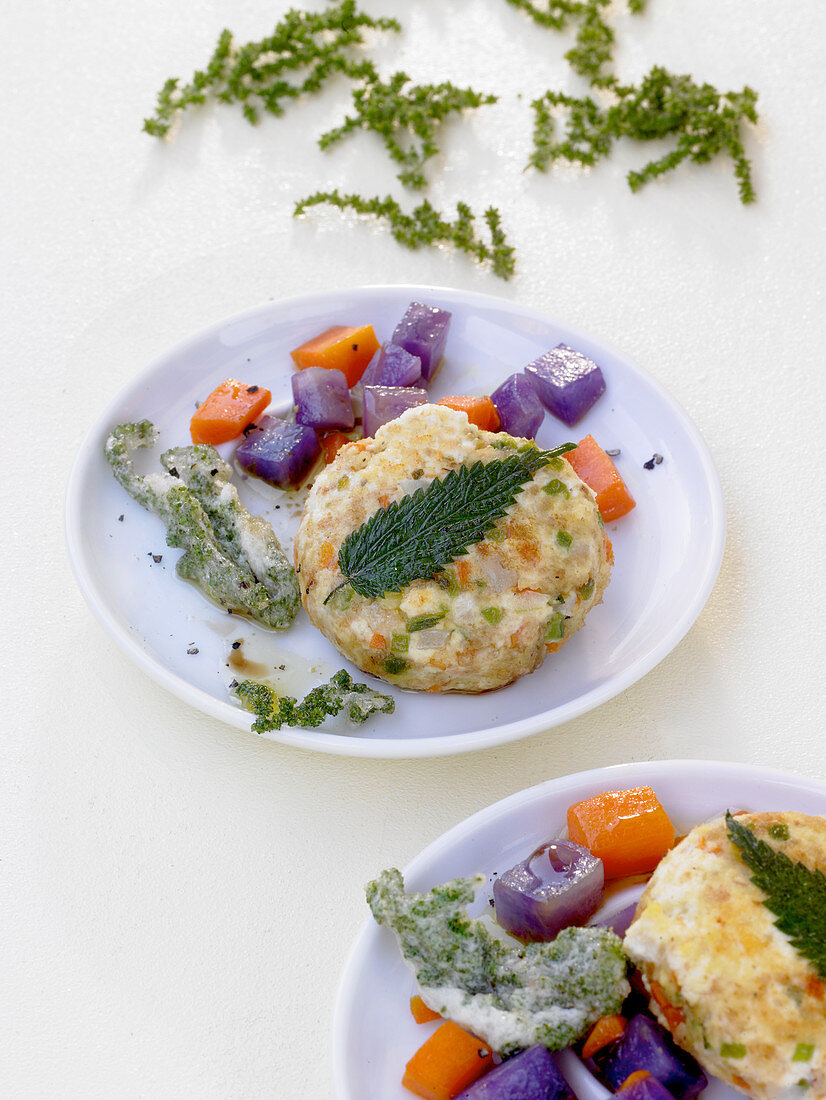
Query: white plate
[[373, 1032], [667, 551]]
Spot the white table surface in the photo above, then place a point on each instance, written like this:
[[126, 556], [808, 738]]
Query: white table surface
[[180, 897]]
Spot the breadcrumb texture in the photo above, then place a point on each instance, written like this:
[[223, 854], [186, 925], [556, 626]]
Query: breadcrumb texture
[[498, 609], [754, 1010]]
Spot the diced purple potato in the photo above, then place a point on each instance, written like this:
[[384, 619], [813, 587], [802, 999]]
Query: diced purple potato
[[322, 399], [384, 403], [520, 410], [620, 921], [645, 1088], [530, 1075], [568, 382], [392, 365], [647, 1045], [557, 885], [279, 452], [423, 332]]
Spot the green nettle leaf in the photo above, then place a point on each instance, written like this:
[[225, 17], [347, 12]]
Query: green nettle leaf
[[796, 895], [416, 537]]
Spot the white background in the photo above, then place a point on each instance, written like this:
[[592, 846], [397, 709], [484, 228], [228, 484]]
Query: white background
[[179, 896]]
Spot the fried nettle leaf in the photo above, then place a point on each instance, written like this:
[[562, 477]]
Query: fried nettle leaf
[[272, 711], [704, 121], [416, 537], [394, 111], [796, 895], [426, 226], [255, 74], [510, 994]]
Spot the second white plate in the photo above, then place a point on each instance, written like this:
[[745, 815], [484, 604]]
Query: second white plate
[[373, 1032], [667, 551]]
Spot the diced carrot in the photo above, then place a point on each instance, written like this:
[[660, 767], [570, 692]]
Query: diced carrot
[[421, 1013], [325, 558], [229, 409], [673, 1014], [598, 472], [628, 830], [481, 411], [463, 573], [632, 1078], [342, 347], [332, 442], [606, 1030], [447, 1063], [378, 642]]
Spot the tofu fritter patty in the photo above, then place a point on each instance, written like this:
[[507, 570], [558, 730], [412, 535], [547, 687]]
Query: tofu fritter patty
[[739, 997], [491, 615]]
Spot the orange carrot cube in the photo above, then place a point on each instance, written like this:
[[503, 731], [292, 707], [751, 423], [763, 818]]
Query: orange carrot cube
[[599, 473], [342, 347], [447, 1063], [229, 409], [628, 830], [420, 1011], [480, 411]]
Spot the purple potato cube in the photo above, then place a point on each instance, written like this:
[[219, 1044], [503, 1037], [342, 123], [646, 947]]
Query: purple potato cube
[[646, 1045], [384, 403], [279, 452], [645, 1088], [530, 1075], [568, 382], [423, 332], [393, 366], [558, 885], [520, 410], [322, 399]]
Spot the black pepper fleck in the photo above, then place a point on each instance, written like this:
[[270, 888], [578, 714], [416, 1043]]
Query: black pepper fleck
[[252, 389], [233, 684], [236, 645], [120, 518], [355, 347], [193, 650], [157, 558], [173, 472]]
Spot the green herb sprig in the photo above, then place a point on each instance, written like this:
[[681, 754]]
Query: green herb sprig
[[426, 226], [796, 895], [413, 113], [704, 122], [254, 75], [416, 537]]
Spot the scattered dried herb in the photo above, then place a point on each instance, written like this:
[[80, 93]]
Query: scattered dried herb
[[704, 122], [425, 226], [415, 537], [254, 75], [405, 118], [796, 895]]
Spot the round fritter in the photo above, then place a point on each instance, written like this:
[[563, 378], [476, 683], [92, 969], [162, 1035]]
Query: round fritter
[[729, 985], [492, 614]]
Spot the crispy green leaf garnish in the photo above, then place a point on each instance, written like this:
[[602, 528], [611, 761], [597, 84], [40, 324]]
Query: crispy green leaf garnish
[[704, 122], [319, 44], [796, 895], [416, 537], [594, 43], [406, 119], [272, 711], [425, 225]]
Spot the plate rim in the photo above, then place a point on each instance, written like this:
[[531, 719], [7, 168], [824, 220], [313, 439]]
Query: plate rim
[[378, 747], [631, 772]]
